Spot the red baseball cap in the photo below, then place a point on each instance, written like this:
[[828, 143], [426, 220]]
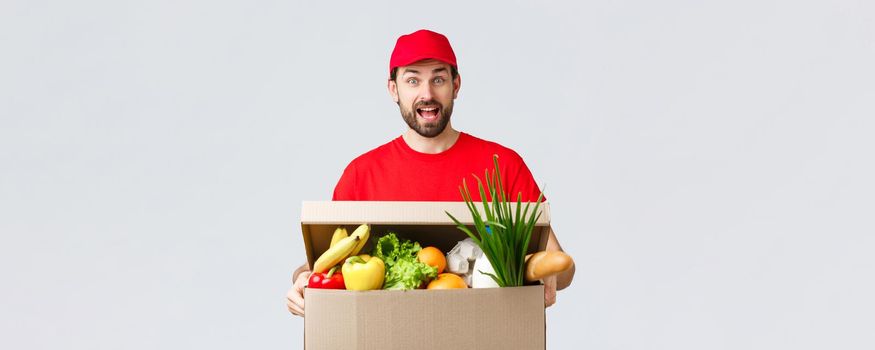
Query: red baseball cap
[[419, 45]]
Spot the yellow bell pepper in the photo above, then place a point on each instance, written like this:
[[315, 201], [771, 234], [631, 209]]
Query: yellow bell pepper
[[363, 272]]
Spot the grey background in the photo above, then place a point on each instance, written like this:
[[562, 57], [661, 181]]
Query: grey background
[[709, 164]]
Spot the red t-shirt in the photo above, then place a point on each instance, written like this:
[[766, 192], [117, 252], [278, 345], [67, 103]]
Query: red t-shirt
[[396, 172]]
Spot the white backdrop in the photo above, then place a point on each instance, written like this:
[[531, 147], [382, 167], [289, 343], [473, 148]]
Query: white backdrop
[[709, 164]]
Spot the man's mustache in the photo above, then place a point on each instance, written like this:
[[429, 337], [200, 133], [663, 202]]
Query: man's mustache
[[430, 103]]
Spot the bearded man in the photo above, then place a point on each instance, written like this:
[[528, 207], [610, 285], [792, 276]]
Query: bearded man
[[429, 161]]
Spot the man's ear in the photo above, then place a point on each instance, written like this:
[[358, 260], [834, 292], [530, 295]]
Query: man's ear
[[457, 83], [393, 90]]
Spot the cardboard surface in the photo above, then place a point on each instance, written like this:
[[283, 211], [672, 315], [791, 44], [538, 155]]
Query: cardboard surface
[[489, 318], [483, 319]]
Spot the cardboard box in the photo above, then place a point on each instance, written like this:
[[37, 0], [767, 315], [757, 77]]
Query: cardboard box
[[488, 318]]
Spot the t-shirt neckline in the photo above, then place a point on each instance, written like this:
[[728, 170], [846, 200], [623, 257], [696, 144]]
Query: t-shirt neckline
[[431, 156]]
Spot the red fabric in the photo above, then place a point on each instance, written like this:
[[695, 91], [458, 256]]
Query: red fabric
[[395, 172], [420, 45]]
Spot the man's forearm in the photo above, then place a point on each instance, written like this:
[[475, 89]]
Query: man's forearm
[[563, 279]]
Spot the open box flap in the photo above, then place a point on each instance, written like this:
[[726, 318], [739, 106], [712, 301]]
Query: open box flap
[[424, 222]]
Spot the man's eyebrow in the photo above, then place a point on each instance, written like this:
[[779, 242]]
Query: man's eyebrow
[[434, 71]]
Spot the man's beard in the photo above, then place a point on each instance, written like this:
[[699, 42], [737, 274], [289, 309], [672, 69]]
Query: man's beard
[[427, 129]]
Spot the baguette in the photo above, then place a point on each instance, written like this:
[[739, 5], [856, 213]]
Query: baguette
[[545, 264]]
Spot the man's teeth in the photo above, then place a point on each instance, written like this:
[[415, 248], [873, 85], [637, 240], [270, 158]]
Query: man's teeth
[[428, 109]]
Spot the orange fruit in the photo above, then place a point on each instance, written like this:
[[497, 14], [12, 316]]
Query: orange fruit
[[447, 281], [433, 257]]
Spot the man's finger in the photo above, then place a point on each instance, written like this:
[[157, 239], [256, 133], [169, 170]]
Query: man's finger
[[549, 297], [549, 291], [294, 309], [549, 301], [295, 297], [301, 282], [295, 302]]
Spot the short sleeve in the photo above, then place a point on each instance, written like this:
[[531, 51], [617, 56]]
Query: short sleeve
[[523, 182], [345, 190]]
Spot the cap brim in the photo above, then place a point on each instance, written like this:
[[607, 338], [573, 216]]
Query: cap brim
[[415, 59]]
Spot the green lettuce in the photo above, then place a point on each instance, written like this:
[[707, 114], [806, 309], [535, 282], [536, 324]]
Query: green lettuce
[[403, 270]]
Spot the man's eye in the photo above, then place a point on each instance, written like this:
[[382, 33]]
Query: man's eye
[[412, 81], [438, 81]]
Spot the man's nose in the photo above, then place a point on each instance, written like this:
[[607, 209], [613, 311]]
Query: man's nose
[[425, 93]]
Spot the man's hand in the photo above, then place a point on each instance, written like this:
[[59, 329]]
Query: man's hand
[[549, 290], [295, 296]]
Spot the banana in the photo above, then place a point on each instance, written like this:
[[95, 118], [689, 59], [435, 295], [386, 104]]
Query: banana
[[363, 232], [335, 254], [339, 233]]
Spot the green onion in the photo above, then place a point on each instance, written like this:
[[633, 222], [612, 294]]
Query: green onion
[[503, 236]]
